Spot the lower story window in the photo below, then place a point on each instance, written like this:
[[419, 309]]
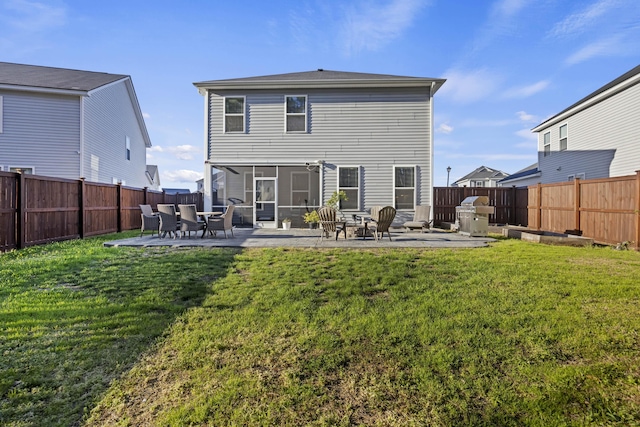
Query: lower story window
[[404, 187], [349, 182]]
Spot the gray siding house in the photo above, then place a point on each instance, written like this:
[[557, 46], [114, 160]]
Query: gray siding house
[[72, 124], [278, 146], [481, 177], [597, 137]]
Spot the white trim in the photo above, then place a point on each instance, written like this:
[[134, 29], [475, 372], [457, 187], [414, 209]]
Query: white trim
[[244, 114], [287, 114], [33, 168], [415, 187], [359, 188], [431, 150], [545, 144], [208, 169], [81, 147], [588, 103], [127, 148], [575, 176]]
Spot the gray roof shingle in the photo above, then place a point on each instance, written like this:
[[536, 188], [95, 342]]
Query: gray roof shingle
[[34, 76]]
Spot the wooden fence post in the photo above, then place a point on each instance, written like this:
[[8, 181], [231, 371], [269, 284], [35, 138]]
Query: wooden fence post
[[21, 193], [81, 212], [119, 219], [576, 204], [539, 207], [514, 200], [636, 244]]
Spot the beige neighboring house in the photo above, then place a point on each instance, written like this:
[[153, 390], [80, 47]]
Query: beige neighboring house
[[597, 137], [481, 177]]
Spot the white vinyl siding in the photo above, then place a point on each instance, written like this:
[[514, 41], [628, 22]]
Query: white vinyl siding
[[1, 115], [296, 113], [109, 119], [373, 128], [41, 131]]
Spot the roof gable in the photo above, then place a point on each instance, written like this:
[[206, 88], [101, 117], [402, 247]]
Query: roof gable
[[321, 78], [483, 172], [34, 76]]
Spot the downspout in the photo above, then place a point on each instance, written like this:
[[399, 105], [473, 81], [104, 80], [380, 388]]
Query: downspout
[[431, 147], [207, 165], [81, 148]]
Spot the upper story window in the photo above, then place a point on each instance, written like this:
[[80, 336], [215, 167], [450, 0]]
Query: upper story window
[[127, 148], [349, 182], [563, 137], [547, 143], [404, 187], [234, 114], [296, 113]]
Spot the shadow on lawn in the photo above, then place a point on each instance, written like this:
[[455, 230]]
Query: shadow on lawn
[[75, 326]]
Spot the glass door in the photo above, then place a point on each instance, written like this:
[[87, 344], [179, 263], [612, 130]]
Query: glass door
[[265, 207]]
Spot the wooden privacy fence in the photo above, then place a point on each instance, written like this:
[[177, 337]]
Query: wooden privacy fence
[[510, 203], [38, 209], [606, 210]]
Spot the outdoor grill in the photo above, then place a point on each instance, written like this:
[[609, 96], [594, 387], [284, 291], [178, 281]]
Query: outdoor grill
[[472, 216]]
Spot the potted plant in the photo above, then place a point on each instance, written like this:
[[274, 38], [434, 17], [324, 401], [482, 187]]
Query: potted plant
[[312, 218], [336, 198], [286, 223]]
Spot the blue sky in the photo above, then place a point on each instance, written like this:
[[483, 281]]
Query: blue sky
[[510, 64]]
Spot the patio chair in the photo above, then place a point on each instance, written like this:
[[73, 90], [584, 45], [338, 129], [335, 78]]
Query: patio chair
[[168, 220], [374, 212], [420, 219], [150, 220], [222, 222], [382, 224], [329, 223], [189, 220]]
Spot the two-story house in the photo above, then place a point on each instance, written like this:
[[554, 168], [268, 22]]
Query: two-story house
[[72, 124], [278, 146], [481, 177], [597, 137]]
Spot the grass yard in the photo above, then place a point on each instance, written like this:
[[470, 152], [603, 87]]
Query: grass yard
[[517, 334]]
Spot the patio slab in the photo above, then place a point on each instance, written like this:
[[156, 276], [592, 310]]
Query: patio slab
[[305, 238]]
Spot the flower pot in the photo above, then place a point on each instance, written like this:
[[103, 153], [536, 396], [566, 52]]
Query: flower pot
[[286, 225]]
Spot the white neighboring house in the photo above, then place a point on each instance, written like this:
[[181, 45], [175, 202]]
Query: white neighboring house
[[153, 175], [481, 177], [597, 137], [71, 124], [278, 146]]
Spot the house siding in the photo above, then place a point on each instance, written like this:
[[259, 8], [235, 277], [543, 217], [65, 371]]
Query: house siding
[[41, 131], [109, 118], [602, 140], [373, 128]]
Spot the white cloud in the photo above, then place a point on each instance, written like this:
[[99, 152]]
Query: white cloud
[[465, 87], [182, 175], [507, 8], [526, 117], [32, 16], [146, 115], [184, 152], [526, 91], [445, 128], [606, 47], [527, 134], [495, 156], [579, 22], [472, 123], [370, 26], [155, 148]]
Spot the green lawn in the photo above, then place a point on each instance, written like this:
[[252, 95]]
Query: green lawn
[[514, 334]]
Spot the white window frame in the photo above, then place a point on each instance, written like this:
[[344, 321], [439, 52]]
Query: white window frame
[[358, 188], [243, 114], [127, 147], [9, 169], [478, 183], [414, 188], [304, 114], [575, 176], [546, 143], [1, 112], [565, 139]]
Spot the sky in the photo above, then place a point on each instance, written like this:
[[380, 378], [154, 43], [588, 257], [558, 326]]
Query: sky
[[509, 64]]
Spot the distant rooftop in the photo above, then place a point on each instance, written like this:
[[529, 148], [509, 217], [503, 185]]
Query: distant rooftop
[[34, 76]]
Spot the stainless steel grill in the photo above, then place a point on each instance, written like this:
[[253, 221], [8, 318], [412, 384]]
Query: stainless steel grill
[[472, 216]]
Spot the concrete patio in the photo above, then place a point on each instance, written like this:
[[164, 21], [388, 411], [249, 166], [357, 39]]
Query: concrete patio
[[305, 238]]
